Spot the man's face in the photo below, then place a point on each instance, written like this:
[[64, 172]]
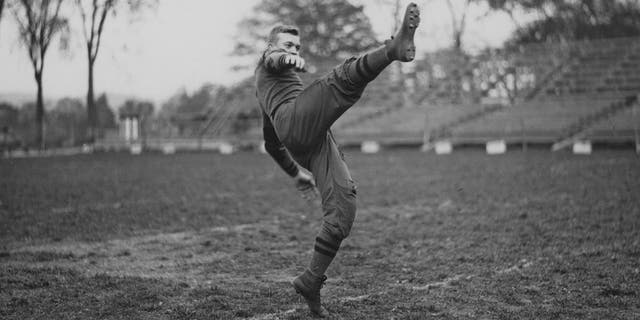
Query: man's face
[[288, 42]]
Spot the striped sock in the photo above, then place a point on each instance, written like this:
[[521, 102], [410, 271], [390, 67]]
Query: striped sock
[[368, 66], [325, 249]]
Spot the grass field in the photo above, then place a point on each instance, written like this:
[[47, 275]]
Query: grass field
[[534, 235]]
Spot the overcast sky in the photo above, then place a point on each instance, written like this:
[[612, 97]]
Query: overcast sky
[[183, 44]]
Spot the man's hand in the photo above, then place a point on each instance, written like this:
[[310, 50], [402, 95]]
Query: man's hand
[[304, 183], [295, 61]]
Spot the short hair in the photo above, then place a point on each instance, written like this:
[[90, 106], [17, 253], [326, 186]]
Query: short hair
[[273, 35], [273, 38]]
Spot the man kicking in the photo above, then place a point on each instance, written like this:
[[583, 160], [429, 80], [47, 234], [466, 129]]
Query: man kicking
[[296, 123]]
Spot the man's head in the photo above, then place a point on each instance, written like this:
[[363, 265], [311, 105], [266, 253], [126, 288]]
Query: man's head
[[286, 38]]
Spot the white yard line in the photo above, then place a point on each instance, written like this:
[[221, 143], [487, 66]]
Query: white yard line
[[448, 282], [80, 248], [518, 267], [362, 297], [273, 316], [444, 283]]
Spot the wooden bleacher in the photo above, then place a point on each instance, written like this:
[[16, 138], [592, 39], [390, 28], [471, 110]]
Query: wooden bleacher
[[586, 96], [399, 125], [537, 120]]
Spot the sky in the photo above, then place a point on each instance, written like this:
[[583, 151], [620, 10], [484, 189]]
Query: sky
[[184, 44]]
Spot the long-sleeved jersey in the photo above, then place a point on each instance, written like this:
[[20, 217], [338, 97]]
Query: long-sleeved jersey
[[276, 84]]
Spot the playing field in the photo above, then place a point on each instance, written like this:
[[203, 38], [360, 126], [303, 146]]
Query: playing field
[[534, 235]]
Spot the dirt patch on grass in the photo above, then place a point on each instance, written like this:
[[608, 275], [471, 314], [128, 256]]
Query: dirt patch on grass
[[180, 256]]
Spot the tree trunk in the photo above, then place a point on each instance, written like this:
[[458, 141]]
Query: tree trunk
[[459, 69], [91, 106], [40, 142], [1, 9]]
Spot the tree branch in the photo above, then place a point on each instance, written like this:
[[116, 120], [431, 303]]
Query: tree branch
[[107, 6], [56, 22], [43, 42], [28, 32], [1, 8], [94, 10], [463, 20], [454, 20], [83, 14]]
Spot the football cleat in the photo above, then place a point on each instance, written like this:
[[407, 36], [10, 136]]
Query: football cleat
[[401, 46], [308, 286]]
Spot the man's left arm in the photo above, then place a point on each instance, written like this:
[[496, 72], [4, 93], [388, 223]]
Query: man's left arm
[[303, 181], [276, 149]]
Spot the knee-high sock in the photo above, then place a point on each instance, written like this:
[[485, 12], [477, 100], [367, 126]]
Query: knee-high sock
[[368, 66], [325, 250]]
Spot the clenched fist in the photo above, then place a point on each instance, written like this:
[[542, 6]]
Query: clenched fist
[[295, 61]]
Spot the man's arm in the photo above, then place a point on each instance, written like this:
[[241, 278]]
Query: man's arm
[[303, 181], [279, 60], [276, 149]]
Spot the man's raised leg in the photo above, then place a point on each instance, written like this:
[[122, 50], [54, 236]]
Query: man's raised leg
[[401, 47], [319, 105]]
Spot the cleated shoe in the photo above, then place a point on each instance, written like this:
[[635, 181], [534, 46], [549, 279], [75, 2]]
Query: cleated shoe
[[308, 286], [401, 46]]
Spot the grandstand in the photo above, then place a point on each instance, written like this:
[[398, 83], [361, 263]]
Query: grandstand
[[620, 127], [564, 92], [539, 121], [397, 126]]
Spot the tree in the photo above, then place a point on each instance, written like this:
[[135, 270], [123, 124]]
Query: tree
[[184, 111], [330, 29], [458, 22], [456, 64], [94, 15], [8, 114], [26, 124], [39, 22], [8, 122], [106, 117], [565, 20], [1, 9], [200, 101], [67, 122], [132, 107]]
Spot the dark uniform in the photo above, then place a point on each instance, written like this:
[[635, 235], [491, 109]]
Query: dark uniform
[[296, 126]]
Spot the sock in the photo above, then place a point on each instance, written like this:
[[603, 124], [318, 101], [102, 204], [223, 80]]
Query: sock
[[325, 249], [368, 66]]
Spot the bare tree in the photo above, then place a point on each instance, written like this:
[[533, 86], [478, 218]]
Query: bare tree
[[93, 24], [566, 20], [39, 22], [94, 15], [458, 23], [1, 9]]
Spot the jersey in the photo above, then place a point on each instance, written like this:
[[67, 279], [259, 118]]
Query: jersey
[[276, 85]]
